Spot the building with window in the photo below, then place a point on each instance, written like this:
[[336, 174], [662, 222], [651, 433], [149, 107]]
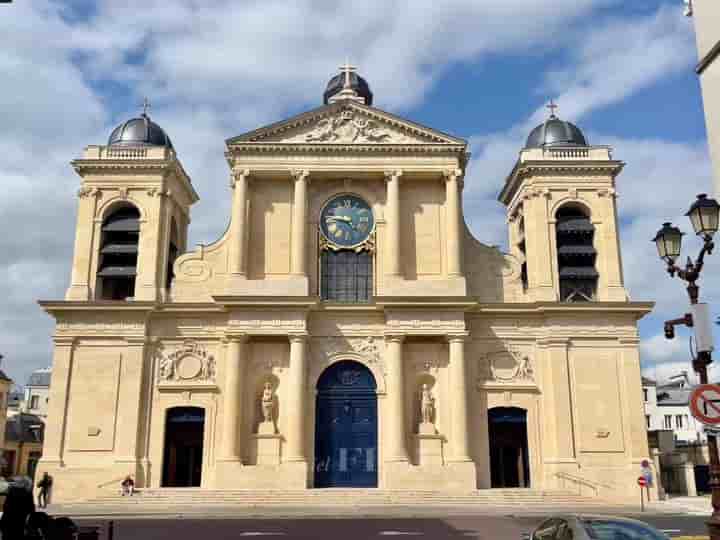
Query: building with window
[[23, 445], [37, 392], [666, 408], [347, 329]]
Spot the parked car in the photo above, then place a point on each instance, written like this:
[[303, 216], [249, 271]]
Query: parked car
[[582, 527]]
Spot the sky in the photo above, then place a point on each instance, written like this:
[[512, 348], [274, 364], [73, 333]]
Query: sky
[[479, 69]]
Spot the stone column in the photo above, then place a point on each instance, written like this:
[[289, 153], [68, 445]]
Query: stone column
[[459, 399], [454, 213], [299, 225], [238, 232], [392, 249], [296, 410], [54, 441], [233, 398], [395, 409]]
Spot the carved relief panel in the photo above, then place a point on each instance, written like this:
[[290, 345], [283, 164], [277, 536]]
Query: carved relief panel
[[189, 364]]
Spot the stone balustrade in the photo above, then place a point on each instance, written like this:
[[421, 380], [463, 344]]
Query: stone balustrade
[[127, 152]]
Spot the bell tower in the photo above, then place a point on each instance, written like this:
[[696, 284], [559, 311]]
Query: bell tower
[[133, 215], [562, 216]]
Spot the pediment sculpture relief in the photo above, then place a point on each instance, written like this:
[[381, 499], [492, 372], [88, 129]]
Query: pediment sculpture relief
[[190, 362], [348, 127]]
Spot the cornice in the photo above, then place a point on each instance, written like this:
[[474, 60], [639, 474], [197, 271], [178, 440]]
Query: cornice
[[638, 309], [324, 111], [334, 148], [60, 306]]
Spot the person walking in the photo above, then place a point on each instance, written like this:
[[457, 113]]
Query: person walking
[[44, 486]]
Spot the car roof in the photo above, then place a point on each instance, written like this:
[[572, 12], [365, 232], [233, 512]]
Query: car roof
[[590, 517]]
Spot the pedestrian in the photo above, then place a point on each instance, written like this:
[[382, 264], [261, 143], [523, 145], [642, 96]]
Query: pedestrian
[[44, 486], [128, 486], [19, 504]]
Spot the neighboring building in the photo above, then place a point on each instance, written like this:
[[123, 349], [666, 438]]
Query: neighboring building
[[23, 444], [706, 15], [37, 392], [347, 329], [15, 401], [666, 408]]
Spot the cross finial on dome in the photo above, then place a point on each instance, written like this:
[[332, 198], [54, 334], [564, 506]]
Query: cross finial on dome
[[552, 106], [347, 69], [146, 106]]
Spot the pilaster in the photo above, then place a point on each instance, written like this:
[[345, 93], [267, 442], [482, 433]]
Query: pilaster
[[392, 228], [453, 184], [299, 224], [459, 399], [54, 437], [84, 245], [129, 421]]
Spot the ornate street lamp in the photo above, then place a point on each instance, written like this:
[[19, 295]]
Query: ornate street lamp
[[703, 214], [668, 241]]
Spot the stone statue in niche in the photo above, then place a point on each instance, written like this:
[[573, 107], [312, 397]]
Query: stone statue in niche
[[427, 410], [266, 402]]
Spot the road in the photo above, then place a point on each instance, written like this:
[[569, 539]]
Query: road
[[479, 527]]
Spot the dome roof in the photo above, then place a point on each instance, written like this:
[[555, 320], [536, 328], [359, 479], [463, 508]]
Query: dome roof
[[555, 132], [139, 131], [359, 85]]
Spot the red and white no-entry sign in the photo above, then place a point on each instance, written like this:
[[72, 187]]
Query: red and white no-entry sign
[[705, 403]]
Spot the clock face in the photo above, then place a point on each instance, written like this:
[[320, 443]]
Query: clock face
[[346, 221]]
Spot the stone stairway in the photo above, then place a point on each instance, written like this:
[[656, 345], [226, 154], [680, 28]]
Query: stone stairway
[[315, 501]]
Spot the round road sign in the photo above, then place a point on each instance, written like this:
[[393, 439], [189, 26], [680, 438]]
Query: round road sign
[[642, 482], [705, 403]]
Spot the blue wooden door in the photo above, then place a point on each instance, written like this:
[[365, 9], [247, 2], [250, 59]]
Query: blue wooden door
[[346, 427]]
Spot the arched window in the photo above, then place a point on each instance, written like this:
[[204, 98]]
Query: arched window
[[576, 255], [117, 266], [172, 253]]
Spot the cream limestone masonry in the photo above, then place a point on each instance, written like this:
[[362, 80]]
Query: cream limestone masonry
[[246, 311]]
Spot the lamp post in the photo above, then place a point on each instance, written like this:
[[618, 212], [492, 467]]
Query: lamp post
[[703, 214]]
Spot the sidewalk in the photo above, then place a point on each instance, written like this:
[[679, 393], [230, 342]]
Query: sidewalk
[[696, 506]]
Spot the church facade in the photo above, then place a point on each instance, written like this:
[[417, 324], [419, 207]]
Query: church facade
[[347, 330]]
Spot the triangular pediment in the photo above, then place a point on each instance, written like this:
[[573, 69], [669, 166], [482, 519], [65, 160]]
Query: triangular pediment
[[346, 123]]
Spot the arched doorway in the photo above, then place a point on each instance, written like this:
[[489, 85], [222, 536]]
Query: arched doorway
[[183, 455], [346, 427], [509, 463]]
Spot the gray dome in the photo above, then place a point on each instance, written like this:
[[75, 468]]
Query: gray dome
[[139, 131], [357, 83], [555, 132]]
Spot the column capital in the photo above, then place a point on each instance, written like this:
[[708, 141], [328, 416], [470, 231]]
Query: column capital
[[460, 337], [64, 341], [236, 337], [553, 342], [238, 175], [394, 337], [299, 174], [393, 174], [452, 174], [300, 337]]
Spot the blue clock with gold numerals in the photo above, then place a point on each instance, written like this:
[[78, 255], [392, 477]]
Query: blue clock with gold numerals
[[346, 221]]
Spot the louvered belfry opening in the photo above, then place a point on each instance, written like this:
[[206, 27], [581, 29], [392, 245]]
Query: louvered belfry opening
[[522, 247], [576, 255], [118, 254]]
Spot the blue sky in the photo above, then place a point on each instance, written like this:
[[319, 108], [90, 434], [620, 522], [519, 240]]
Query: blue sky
[[623, 71]]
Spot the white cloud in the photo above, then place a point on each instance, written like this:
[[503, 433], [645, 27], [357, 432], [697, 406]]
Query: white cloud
[[216, 68]]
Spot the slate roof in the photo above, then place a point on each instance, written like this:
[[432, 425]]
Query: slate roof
[[20, 428], [648, 382]]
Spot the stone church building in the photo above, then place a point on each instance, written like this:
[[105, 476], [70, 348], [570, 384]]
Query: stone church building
[[347, 329]]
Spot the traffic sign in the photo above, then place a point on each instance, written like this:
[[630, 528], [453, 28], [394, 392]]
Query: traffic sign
[[642, 481], [705, 404]]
